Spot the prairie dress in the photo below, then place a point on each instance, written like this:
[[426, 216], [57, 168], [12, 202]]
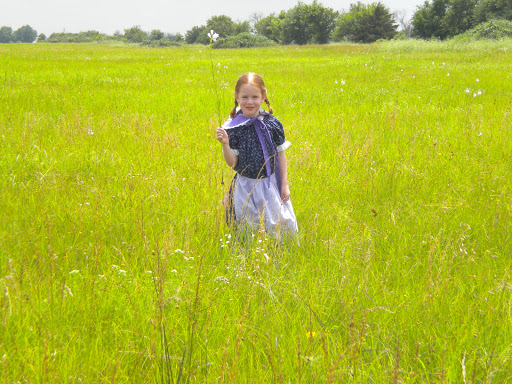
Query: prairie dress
[[255, 203]]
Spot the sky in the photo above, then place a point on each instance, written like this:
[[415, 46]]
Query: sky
[[170, 16]]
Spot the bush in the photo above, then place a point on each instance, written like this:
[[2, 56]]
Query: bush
[[400, 35], [243, 40], [82, 37], [492, 29], [163, 42]]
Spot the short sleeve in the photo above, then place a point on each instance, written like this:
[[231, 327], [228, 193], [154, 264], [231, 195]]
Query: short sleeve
[[234, 140], [277, 133]]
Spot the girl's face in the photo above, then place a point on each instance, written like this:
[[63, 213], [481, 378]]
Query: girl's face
[[250, 98]]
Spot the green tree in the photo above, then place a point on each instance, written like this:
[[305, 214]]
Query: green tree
[[271, 27], [444, 18], [41, 37], [427, 20], [365, 23], [223, 25], [242, 27], [458, 17], [5, 35], [193, 35], [174, 37], [135, 35], [25, 34], [156, 34], [492, 9], [308, 24]]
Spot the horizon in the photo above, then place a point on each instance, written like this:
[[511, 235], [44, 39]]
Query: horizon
[[75, 16]]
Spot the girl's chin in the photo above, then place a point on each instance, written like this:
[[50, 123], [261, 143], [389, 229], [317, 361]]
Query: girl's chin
[[251, 112]]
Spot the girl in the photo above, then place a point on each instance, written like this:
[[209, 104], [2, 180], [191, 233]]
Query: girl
[[253, 144]]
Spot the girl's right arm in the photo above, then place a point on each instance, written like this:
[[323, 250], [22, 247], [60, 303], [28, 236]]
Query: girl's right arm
[[229, 156]]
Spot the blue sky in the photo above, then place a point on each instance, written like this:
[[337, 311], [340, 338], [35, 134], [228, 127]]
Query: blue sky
[[108, 16]]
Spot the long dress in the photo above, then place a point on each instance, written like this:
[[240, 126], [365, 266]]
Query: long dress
[[254, 198]]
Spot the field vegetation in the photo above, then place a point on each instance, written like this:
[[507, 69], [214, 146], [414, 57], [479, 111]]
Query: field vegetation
[[116, 264]]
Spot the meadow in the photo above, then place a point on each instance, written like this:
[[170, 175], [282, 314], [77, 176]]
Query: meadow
[[116, 264]]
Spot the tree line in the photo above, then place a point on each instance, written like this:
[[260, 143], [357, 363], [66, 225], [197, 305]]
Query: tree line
[[25, 34], [305, 24], [443, 19]]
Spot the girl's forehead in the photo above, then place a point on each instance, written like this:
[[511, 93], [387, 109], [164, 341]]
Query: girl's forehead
[[249, 88]]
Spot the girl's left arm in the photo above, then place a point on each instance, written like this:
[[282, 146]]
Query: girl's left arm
[[285, 189]]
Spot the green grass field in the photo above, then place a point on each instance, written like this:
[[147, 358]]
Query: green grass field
[[116, 264]]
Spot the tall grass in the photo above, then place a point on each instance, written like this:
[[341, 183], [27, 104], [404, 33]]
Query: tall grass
[[116, 264]]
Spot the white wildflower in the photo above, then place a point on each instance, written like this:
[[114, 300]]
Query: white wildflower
[[221, 279], [213, 36], [68, 290], [74, 272]]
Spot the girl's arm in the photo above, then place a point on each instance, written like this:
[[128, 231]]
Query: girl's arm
[[229, 156], [285, 189]]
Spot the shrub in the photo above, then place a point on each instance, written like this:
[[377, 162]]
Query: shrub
[[243, 40], [492, 29]]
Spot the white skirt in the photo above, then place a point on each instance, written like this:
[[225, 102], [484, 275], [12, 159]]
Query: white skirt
[[259, 205]]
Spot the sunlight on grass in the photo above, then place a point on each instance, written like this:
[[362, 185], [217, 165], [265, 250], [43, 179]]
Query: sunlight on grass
[[116, 264]]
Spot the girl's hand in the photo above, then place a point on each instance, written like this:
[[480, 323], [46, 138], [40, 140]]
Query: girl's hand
[[285, 193], [222, 136]]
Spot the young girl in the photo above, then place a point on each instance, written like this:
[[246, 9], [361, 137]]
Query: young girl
[[253, 144]]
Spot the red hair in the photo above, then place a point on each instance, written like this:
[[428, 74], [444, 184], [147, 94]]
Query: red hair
[[251, 78]]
